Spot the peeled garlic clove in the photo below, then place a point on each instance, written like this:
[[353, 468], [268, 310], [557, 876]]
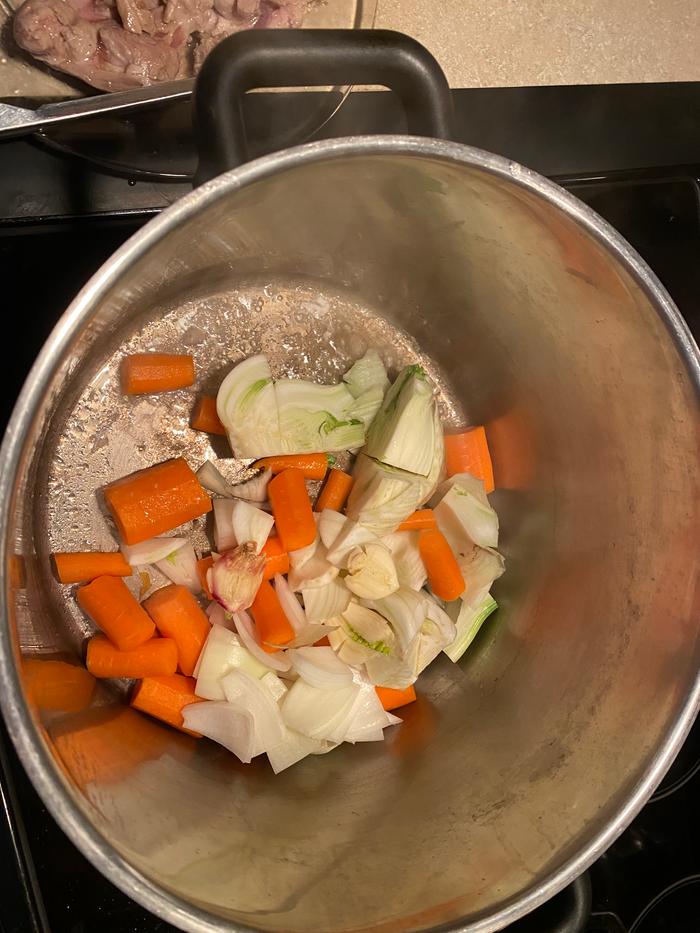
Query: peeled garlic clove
[[235, 577], [371, 572]]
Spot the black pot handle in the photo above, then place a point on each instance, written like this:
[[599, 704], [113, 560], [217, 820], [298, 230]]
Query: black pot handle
[[269, 58]]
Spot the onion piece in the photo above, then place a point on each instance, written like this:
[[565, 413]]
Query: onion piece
[[255, 488], [213, 481], [371, 571], [235, 577], [350, 536], [325, 602], [249, 695], [224, 538], [294, 748], [274, 684], [309, 567], [250, 524], [151, 551], [180, 567], [290, 604], [230, 726], [276, 661], [222, 653], [330, 524], [320, 667], [319, 714]]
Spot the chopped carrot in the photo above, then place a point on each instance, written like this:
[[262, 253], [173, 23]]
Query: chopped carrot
[[392, 699], [56, 686], [205, 417], [157, 499], [153, 657], [113, 609], [165, 697], [276, 558], [444, 576], [468, 452], [156, 372], [79, 566], [203, 566], [322, 642], [272, 624], [291, 507], [418, 521], [179, 616], [313, 466], [335, 492]]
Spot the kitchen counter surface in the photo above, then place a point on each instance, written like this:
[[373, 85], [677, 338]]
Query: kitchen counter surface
[[509, 43]]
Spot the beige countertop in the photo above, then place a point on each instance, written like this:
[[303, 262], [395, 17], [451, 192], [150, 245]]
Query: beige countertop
[[488, 43]]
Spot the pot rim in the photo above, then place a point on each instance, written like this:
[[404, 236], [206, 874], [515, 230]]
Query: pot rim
[[35, 757]]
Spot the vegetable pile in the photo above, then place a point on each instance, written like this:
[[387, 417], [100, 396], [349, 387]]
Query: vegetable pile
[[305, 626]]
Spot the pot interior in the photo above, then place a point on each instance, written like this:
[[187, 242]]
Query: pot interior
[[512, 761]]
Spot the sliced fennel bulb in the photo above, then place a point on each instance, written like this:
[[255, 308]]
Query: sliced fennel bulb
[[410, 568], [383, 496], [371, 571], [402, 432], [367, 373], [464, 515], [366, 406], [247, 407], [317, 418], [469, 620]]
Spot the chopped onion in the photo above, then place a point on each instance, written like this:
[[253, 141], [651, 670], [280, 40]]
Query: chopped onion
[[320, 714], [321, 668], [351, 535], [250, 524], [224, 538], [250, 696], [272, 682], [222, 652], [235, 577], [180, 566], [213, 481], [371, 571], [368, 718], [310, 635], [330, 524], [276, 660], [391, 671], [151, 551], [309, 567], [295, 747], [230, 726], [325, 602], [290, 604], [410, 568], [255, 488]]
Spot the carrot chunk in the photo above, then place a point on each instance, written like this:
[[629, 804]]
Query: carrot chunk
[[151, 501], [57, 686], [335, 492], [444, 576], [272, 624], [80, 566], [153, 657], [418, 521], [468, 452], [276, 558], [178, 615], [155, 372], [291, 507], [165, 697], [313, 466], [205, 417], [392, 699], [113, 609]]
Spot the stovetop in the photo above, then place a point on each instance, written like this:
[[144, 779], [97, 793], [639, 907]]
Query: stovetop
[[633, 154]]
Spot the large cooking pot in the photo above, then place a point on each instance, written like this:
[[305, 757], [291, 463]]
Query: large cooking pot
[[518, 766]]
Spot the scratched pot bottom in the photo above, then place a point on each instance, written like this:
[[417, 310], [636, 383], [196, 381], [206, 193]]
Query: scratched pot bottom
[[304, 333]]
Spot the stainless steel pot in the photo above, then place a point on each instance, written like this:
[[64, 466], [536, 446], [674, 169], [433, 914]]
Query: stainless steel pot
[[519, 765]]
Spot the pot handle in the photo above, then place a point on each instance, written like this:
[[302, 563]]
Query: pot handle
[[311, 58]]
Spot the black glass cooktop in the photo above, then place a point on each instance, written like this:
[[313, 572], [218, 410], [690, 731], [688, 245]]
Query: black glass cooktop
[[649, 880]]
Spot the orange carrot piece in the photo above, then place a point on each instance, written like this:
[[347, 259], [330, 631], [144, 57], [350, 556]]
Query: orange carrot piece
[[165, 697], [272, 624], [313, 466], [468, 452], [113, 609], [56, 686], [203, 566], [276, 558], [205, 417], [80, 566], [418, 521], [147, 503], [335, 492], [444, 576], [156, 372], [153, 657], [392, 699], [322, 642], [179, 616], [291, 507]]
